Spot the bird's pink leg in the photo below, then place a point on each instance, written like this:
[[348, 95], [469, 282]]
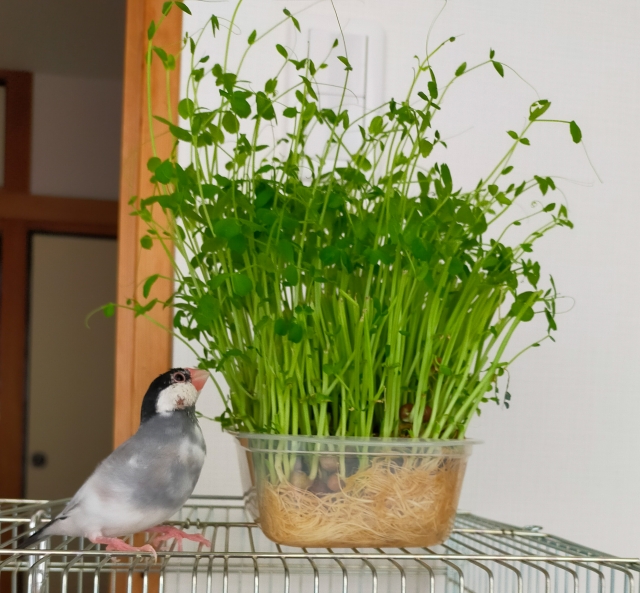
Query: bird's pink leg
[[115, 544], [166, 532]]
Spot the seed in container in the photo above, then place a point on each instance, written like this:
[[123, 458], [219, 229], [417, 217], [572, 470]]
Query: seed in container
[[334, 483], [405, 413], [329, 463], [300, 480], [319, 487]]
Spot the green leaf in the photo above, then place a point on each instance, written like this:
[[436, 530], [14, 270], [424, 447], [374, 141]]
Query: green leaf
[[186, 108], [507, 170], [146, 242], [264, 106], [180, 133], [376, 125], [291, 276], [151, 31], [518, 306], [230, 122], [217, 135], [212, 245], [576, 133], [524, 141], [432, 86], [208, 310], [160, 53], [264, 194], [166, 8], [346, 63], [109, 309], [285, 251], [252, 38], [238, 244], [549, 207], [282, 51], [492, 53], [153, 163], [294, 20], [240, 105], [502, 199], [141, 310], [215, 24], [270, 86], [149, 282], [513, 134], [241, 284], [538, 108], [331, 369], [499, 68], [183, 7], [227, 228], [309, 87], [281, 327], [296, 333], [461, 69]]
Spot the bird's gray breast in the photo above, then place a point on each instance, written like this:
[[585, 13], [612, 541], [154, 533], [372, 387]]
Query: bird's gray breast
[[162, 461]]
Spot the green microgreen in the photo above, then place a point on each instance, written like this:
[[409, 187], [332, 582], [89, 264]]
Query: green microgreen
[[352, 292]]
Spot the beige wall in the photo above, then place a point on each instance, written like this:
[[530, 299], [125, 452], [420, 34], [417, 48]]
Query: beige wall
[[75, 150], [70, 366]]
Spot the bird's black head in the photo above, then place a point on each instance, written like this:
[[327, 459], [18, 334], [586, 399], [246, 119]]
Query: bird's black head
[[177, 389]]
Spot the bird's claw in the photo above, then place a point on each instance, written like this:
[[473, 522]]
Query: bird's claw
[[165, 532], [115, 544]]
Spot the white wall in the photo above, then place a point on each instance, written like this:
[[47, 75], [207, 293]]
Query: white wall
[[567, 454], [75, 149]]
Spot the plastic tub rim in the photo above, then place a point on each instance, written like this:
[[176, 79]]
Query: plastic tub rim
[[465, 444]]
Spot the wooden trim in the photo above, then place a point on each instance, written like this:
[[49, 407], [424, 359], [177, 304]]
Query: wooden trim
[[14, 295], [20, 214], [13, 344], [17, 154], [43, 210], [142, 350]]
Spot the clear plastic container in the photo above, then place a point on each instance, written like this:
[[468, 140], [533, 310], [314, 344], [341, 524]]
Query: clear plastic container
[[352, 492]]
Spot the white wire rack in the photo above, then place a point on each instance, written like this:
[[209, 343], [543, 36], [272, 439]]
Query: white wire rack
[[481, 556]]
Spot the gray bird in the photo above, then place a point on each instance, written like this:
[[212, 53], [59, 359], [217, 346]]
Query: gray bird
[[148, 478]]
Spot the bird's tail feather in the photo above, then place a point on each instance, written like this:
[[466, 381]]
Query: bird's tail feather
[[35, 537]]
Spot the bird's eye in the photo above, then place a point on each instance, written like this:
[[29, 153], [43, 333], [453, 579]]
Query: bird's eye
[[179, 378]]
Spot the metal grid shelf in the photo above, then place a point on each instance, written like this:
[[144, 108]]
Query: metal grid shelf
[[480, 556]]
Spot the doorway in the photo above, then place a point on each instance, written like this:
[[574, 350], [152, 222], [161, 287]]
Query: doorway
[[70, 362]]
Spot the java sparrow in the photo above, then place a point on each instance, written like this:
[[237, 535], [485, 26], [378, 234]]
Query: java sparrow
[[148, 478]]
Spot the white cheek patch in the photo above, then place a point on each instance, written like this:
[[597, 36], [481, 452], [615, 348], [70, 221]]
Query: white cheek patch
[[176, 397]]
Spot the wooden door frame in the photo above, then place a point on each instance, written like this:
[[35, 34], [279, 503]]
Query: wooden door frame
[[22, 214], [143, 350]]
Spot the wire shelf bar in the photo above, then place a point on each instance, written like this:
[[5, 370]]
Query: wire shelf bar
[[481, 556]]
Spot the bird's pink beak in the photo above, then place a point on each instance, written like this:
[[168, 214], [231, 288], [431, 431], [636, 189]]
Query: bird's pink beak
[[198, 378]]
